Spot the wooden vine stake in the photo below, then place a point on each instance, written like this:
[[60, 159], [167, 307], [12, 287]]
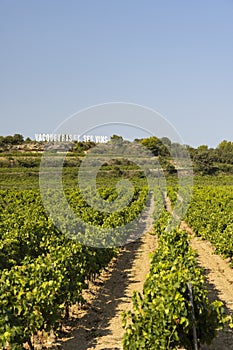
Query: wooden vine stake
[[193, 315]]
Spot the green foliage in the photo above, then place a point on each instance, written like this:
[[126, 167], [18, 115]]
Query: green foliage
[[156, 146], [17, 139], [209, 161], [115, 137], [210, 216], [224, 152], [43, 272], [162, 316], [204, 162], [81, 147]]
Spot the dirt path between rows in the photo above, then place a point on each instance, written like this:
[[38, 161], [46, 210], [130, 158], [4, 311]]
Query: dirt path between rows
[[100, 326], [219, 281]]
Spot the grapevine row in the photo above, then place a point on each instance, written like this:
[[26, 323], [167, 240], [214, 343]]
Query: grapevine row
[[43, 272], [162, 317], [210, 216]]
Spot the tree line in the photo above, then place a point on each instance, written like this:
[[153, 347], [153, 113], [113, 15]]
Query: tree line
[[205, 160], [16, 139]]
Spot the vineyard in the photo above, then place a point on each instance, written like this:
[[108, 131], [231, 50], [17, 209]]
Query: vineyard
[[44, 272], [215, 222], [162, 316]]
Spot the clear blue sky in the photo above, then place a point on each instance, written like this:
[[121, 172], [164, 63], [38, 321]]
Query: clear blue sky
[[60, 56]]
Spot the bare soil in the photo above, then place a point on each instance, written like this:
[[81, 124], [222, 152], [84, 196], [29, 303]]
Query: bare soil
[[219, 282]]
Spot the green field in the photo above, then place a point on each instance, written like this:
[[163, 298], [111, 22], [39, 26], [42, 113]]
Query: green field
[[43, 271]]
